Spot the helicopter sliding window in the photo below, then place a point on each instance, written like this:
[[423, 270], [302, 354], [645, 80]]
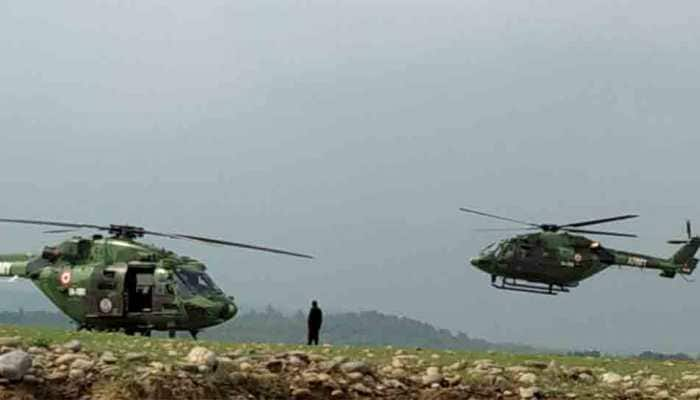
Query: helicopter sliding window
[[196, 282]]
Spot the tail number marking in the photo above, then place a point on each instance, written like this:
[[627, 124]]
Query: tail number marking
[[637, 262]]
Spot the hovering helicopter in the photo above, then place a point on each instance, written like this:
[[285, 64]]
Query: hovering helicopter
[[116, 283], [553, 260]]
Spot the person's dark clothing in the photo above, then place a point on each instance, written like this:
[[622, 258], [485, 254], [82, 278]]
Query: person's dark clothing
[[315, 321]]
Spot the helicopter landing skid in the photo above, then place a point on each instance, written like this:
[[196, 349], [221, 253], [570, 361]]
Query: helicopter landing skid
[[514, 286]]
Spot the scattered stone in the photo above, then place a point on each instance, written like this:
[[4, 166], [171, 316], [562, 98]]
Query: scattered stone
[[361, 389], [73, 345], [691, 394], [67, 359], [132, 357], [518, 369], [108, 357], [301, 393], [244, 366], [611, 378], [275, 366], [662, 395], [15, 364], [83, 364], [57, 376], [530, 392], [76, 374], [432, 377], [528, 378], [328, 366], [355, 376], [355, 366], [202, 356], [654, 381]]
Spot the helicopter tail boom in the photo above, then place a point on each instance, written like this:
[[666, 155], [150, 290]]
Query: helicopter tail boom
[[11, 266]]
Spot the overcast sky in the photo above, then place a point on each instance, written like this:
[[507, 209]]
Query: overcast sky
[[353, 130]]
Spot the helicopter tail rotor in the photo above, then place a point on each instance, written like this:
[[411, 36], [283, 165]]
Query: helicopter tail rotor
[[689, 233], [685, 256]]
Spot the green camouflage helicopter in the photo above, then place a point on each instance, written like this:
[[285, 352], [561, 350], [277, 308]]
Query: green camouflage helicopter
[[553, 260], [116, 283]]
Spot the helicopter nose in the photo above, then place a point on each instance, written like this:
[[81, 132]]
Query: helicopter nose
[[476, 261], [229, 311]]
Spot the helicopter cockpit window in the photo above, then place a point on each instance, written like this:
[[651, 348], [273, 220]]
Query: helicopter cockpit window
[[499, 250], [489, 249], [196, 282]]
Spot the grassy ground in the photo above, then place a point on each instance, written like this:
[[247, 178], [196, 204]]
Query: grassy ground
[[171, 351]]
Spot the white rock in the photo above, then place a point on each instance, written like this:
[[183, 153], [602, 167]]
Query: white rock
[[73, 345], [15, 364], [654, 381], [432, 379], [108, 357], [611, 378], [529, 392], [528, 378], [691, 394], [202, 356], [76, 374], [355, 366], [662, 395], [82, 364]]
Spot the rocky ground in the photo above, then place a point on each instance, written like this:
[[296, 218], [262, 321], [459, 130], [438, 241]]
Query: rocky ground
[[44, 364]]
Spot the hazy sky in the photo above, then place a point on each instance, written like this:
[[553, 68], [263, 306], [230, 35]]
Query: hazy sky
[[354, 130]]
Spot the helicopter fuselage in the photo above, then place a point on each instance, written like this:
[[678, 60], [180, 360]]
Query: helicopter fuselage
[[563, 259], [118, 283]]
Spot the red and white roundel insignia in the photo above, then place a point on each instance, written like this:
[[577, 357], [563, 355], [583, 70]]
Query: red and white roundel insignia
[[578, 258], [106, 305], [65, 278]]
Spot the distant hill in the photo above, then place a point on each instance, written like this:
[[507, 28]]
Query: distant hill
[[369, 328]]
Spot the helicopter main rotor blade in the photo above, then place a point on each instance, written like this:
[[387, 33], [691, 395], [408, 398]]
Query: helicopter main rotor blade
[[505, 229], [54, 223], [599, 232], [118, 229], [61, 231], [498, 217], [236, 244], [598, 221]]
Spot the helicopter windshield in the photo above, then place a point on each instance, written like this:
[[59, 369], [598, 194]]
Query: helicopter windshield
[[495, 249], [195, 282], [490, 249]]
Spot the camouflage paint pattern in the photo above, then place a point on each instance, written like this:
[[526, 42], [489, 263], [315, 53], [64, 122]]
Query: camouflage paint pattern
[[87, 280], [560, 258]]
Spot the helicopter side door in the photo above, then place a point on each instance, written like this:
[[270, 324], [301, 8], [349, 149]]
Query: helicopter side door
[[139, 285], [106, 298]]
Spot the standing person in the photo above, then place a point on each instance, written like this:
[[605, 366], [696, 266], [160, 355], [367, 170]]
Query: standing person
[[315, 321]]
